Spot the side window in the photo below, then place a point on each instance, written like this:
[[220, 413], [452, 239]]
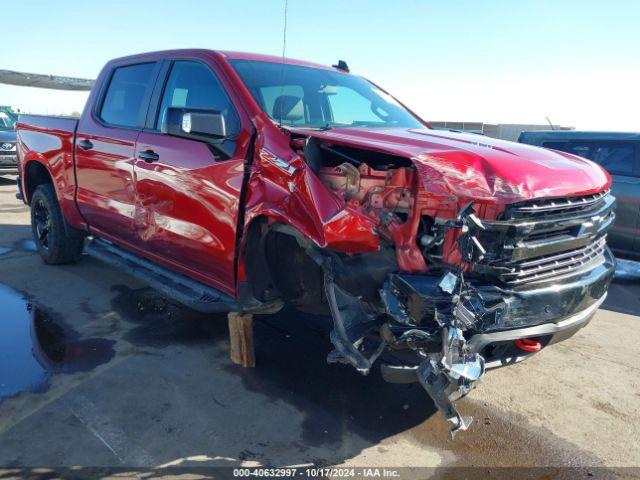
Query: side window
[[618, 158], [194, 85], [123, 103]]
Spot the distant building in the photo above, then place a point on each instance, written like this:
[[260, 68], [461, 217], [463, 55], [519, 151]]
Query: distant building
[[504, 131]]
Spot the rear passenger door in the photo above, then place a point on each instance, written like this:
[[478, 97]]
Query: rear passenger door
[[105, 149], [620, 159], [187, 190]]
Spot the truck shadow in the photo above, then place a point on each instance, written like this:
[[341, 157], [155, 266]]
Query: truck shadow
[[291, 350], [342, 412]]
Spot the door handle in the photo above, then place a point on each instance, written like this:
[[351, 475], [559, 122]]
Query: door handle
[[85, 144], [148, 156]]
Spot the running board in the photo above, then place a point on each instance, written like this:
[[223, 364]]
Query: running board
[[175, 286]]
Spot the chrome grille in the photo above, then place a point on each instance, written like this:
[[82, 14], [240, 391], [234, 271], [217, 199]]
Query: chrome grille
[[544, 240], [556, 265], [555, 206]]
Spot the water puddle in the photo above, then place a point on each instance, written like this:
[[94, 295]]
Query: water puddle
[[26, 245], [35, 345]]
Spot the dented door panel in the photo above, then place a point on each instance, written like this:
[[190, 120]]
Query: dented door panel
[[187, 206]]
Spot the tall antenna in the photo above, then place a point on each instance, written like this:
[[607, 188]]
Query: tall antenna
[[284, 49], [551, 124], [284, 30]]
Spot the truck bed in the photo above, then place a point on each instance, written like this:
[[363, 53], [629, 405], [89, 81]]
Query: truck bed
[[48, 142], [48, 123]]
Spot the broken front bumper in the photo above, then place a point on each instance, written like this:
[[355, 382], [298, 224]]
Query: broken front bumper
[[495, 316], [458, 328], [553, 332]]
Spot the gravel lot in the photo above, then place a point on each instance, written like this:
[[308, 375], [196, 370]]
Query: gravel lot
[[131, 380]]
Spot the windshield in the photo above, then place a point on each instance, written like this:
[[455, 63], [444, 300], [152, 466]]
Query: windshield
[[6, 122], [306, 97]]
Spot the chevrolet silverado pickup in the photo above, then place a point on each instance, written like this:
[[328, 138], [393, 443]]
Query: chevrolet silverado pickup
[[241, 182]]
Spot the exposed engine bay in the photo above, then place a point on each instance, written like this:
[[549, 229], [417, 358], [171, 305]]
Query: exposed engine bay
[[457, 286]]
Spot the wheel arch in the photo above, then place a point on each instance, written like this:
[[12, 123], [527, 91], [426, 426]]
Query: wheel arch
[[36, 173], [276, 261]]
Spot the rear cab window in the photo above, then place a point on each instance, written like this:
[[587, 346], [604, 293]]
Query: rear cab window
[[125, 101]]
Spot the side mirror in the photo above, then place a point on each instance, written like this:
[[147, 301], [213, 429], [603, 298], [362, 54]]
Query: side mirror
[[198, 124]]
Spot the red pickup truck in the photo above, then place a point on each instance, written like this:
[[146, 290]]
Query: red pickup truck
[[238, 182]]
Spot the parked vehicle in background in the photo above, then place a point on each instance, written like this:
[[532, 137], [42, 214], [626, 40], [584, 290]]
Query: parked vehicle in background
[[8, 158], [239, 182], [619, 154]]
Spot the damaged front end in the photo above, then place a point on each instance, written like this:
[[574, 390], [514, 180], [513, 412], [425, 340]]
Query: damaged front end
[[456, 287], [444, 327], [424, 317]]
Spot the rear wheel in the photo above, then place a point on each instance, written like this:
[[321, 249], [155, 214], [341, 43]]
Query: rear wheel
[[49, 233]]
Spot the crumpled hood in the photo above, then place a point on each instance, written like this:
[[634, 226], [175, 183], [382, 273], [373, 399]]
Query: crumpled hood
[[479, 167]]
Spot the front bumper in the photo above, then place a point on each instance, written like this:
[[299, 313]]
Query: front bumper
[[548, 313], [553, 332], [482, 343], [8, 164], [416, 300]]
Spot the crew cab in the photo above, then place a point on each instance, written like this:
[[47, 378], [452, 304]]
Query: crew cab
[[240, 182]]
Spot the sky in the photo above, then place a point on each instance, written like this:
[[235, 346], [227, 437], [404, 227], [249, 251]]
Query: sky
[[493, 61]]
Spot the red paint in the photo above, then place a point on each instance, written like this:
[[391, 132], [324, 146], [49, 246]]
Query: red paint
[[49, 143], [184, 211], [479, 168], [282, 187]]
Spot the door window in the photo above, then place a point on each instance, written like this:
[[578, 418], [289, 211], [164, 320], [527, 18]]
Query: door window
[[194, 85], [124, 101]]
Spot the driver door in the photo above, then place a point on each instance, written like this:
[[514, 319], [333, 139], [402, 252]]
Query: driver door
[[187, 191]]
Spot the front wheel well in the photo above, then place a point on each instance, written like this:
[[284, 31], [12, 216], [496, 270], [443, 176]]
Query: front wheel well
[[35, 174], [278, 267]]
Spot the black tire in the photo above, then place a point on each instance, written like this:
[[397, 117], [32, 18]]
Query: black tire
[[49, 233]]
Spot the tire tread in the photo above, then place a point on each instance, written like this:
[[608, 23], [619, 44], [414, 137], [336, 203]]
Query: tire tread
[[62, 247]]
